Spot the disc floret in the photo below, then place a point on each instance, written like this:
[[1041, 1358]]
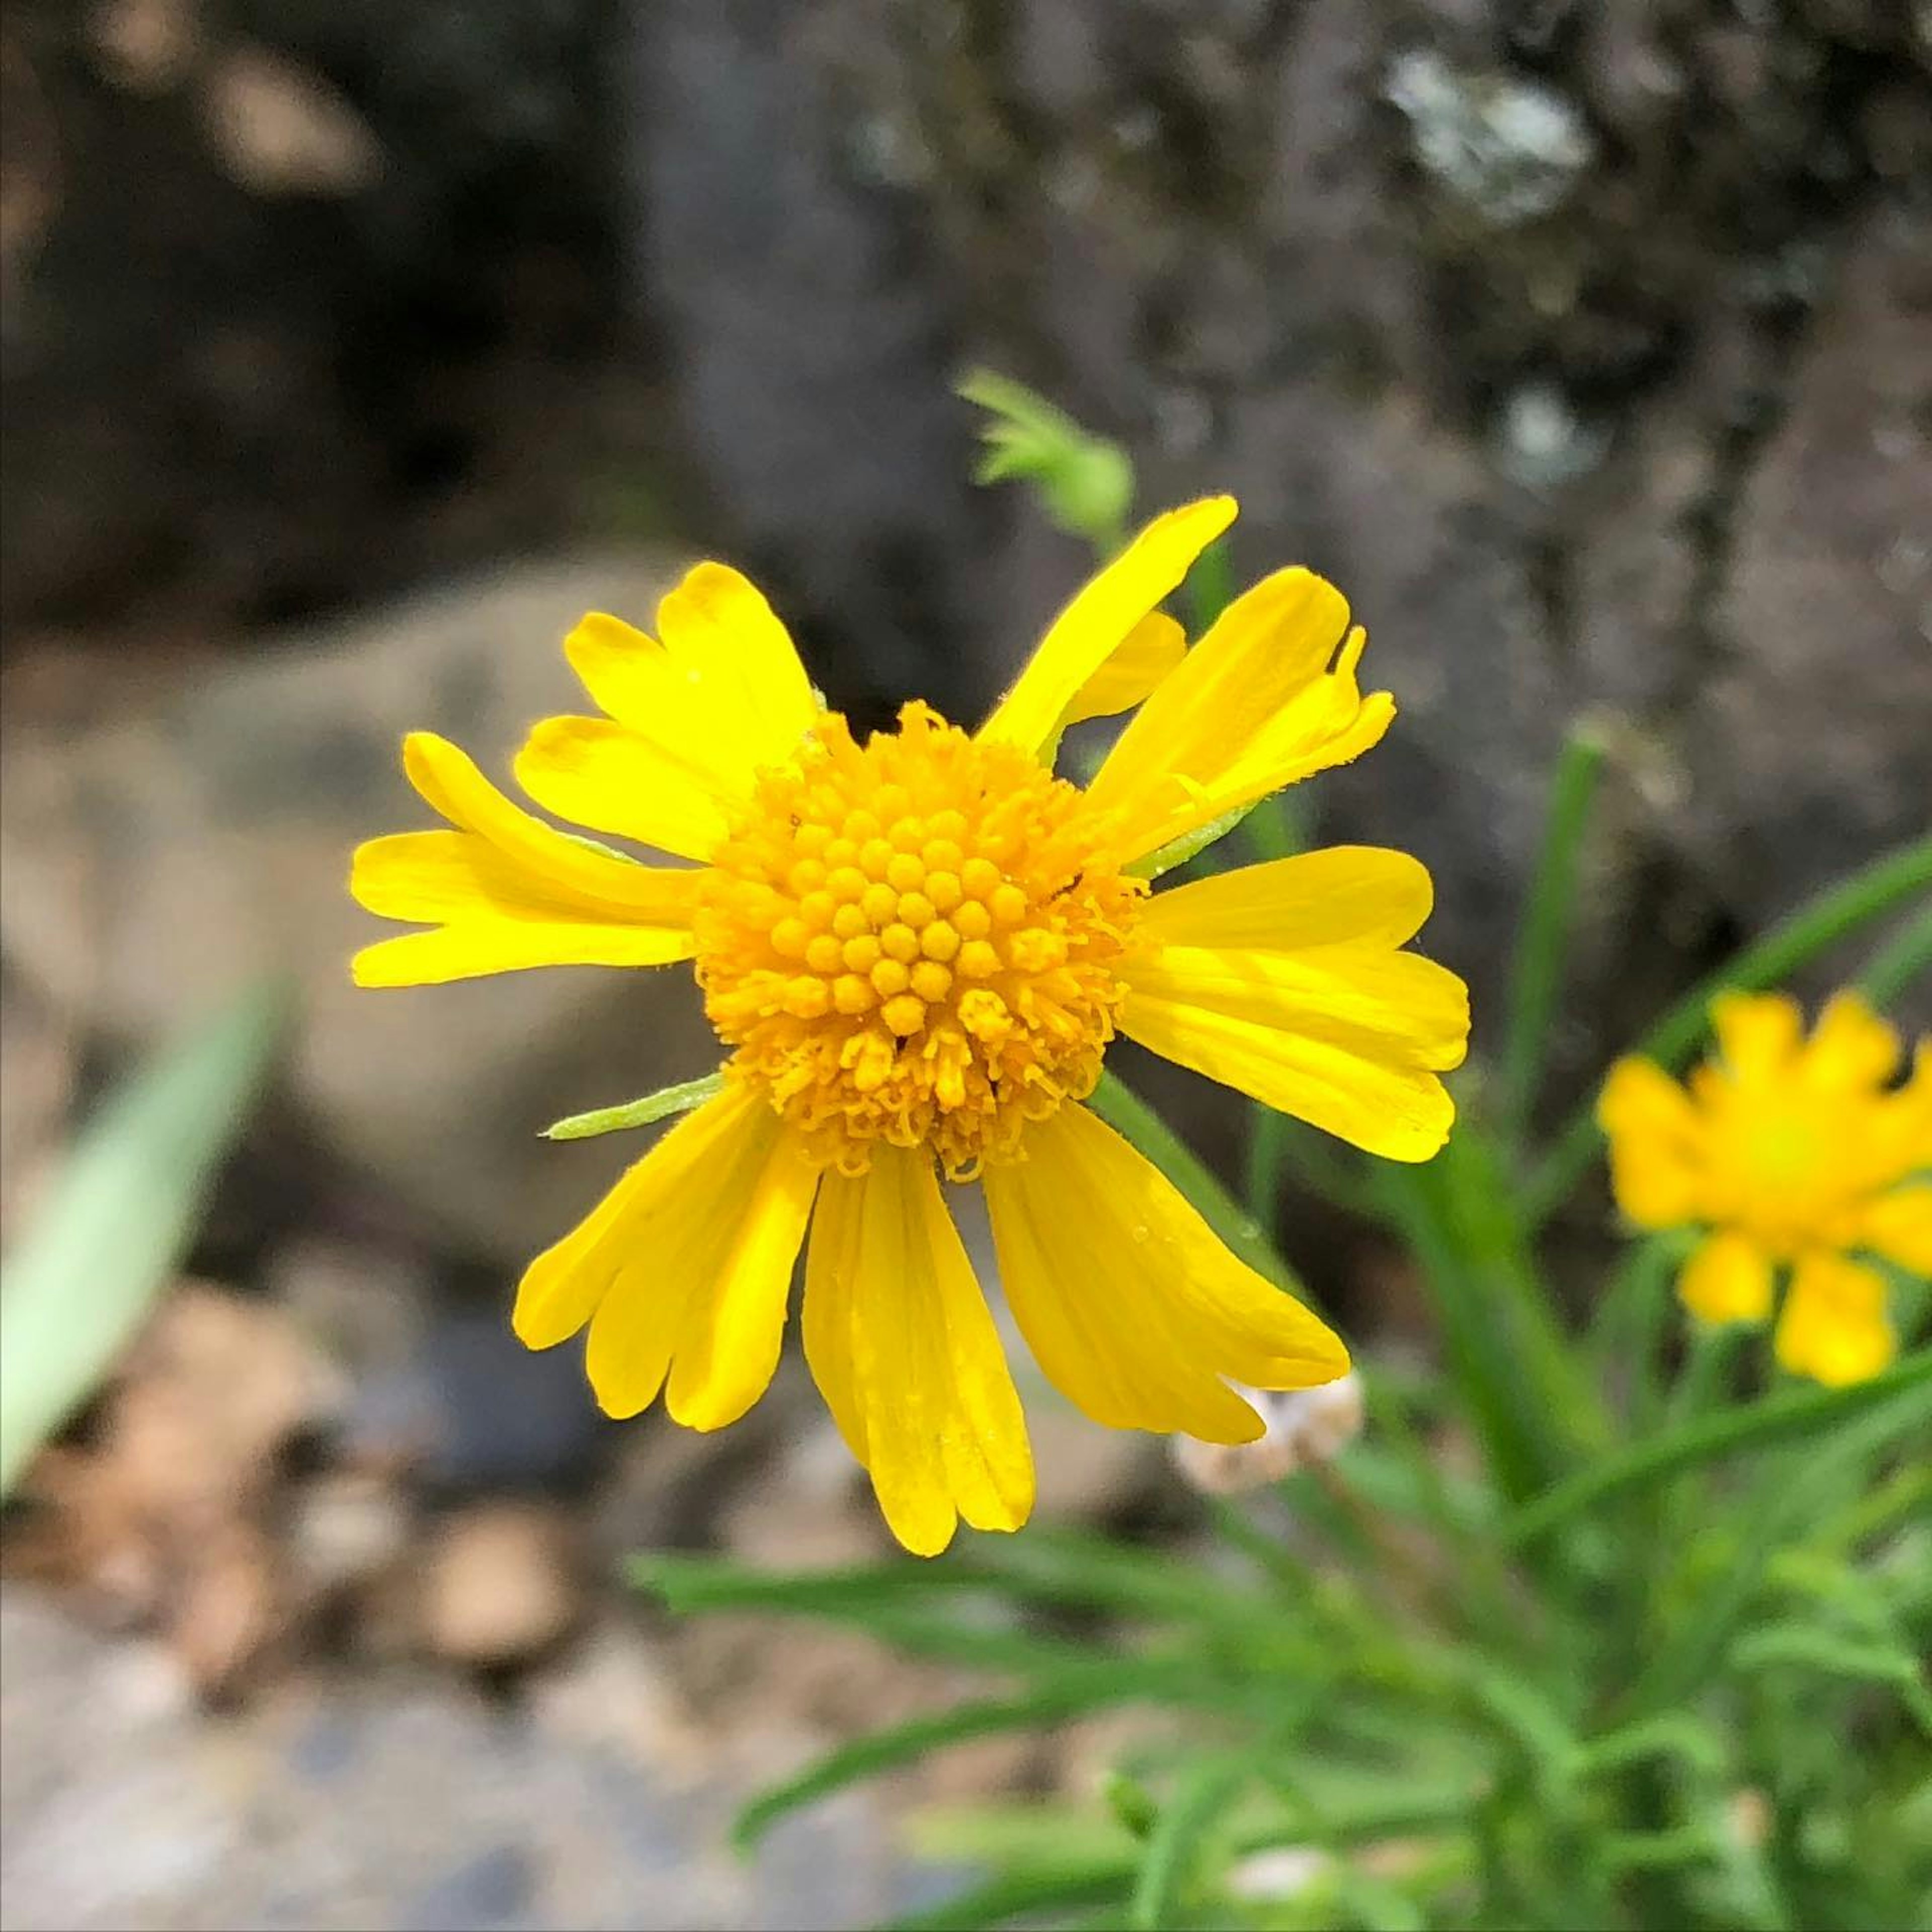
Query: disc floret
[[914, 940]]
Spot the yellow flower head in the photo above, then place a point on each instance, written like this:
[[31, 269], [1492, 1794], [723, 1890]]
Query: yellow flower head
[[1786, 1151], [916, 950]]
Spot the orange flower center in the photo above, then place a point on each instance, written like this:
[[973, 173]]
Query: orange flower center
[[914, 940]]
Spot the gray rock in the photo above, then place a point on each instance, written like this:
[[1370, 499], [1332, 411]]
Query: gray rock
[[1508, 357], [399, 1800], [154, 863]]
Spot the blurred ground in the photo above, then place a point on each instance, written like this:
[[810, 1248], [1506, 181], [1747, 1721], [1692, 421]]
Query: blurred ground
[[351, 353]]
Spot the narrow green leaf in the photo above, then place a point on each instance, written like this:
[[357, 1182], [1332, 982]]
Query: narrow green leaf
[[1786, 1416], [1535, 1410], [1806, 1647], [1536, 975], [1787, 1495], [1901, 963], [1832, 916], [1016, 1895], [121, 1214], [1159, 1901], [678, 1099], [1108, 1682]]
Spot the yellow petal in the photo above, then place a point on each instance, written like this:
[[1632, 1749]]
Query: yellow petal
[[1349, 1037], [1834, 1327], [1268, 697], [1851, 1049], [1131, 1305], [726, 666], [1898, 1226], [1726, 1279], [683, 1269], [902, 1346], [596, 773], [1343, 895], [1759, 1035], [1151, 649], [506, 890], [1099, 620], [1656, 1144]]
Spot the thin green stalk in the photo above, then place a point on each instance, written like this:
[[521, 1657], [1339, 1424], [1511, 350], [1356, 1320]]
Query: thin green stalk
[[1538, 1413], [1782, 1418], [1831, 916], [1624, 1333], [1211, 587], [1901, 963], [1536, 973], [1261, 1178]]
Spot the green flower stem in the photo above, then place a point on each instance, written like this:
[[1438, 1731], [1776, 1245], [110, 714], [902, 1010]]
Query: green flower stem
[[1261, 1170], [1536, 973], [1901, 963], [1211, 587], [1629, 1318], [1782, 1418], [1867, 895], [1138, 1123]]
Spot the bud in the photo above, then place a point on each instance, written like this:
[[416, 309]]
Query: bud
[[1304, 1426], [1084, 484]]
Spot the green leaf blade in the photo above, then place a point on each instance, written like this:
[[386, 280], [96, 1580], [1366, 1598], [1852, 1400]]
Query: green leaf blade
[[110, 1238]]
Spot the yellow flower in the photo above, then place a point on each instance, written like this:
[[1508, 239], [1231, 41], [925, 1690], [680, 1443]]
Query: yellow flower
[[917, 950], [1787, 1152]]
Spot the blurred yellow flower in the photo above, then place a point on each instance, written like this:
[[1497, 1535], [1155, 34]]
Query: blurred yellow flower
[[1785, 1151], [917, 949]]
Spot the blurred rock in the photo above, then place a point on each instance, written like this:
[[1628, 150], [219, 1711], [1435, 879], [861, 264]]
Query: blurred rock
[[346, 1528], [1814, 729], [160, 1514], [809, 1507], [39, 1050], [1492, 314], [149, 865], [339, 341], [365, 1306], [498, 1583], [400, 1800]]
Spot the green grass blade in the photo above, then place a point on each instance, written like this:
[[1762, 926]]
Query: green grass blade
[[1899, 964], [121, 1214], [1787, 1416], [1199, 1803], [1019, 1895], [1834, 915], [1533, 1408], [1787, 1497], [1107, 1682], [1536, 975]]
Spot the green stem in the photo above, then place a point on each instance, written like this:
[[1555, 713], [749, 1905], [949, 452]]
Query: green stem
[[1211, 587], [1777, 1418], [1262, 1169], [1901, 963], [1867, 895], [1536, 973]]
